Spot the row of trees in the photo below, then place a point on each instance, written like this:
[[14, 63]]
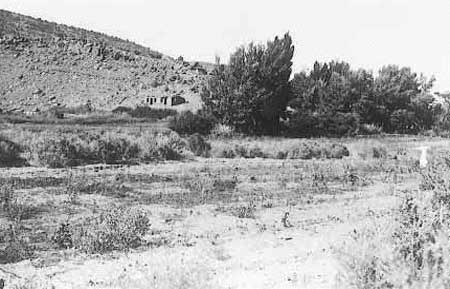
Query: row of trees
[[255, 94]]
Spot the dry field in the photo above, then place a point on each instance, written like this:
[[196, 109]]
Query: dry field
[[204, 222]]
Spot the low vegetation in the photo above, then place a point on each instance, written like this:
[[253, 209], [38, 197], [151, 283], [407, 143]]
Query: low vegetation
[[115, 229], [9, 153], [295, 149], [187, 123], [145, 112], [410, 249]]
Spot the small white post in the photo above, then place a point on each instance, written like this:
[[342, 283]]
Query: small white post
[[423, 161]]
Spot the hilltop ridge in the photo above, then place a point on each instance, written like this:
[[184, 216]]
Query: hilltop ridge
[[45, 64]]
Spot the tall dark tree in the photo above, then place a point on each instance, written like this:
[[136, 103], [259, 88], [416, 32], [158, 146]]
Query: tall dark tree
[[399, 100], [251, 92], [326, 101]]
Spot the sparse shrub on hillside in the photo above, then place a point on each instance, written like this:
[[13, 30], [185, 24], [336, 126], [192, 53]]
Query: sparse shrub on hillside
[[9, 153], [115, 229], [198, 145], [190, 123]]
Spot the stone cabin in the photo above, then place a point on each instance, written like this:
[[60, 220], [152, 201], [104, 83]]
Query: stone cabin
[[164, 100]]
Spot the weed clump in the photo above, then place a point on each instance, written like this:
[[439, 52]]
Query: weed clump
[[314, 150], [187, 123], [161, 146], [198, 145], [115, 229], [17, 247]]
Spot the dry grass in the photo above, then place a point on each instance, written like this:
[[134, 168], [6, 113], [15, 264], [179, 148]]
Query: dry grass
[[236, 191]]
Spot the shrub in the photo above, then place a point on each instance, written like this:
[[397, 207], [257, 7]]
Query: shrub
[[337, 151], [227, 153], [198, 145], [302, 151], [190, 123], [240, 151], [122, 109], [112, 149], [17, 245], [315, 150], [246, 211], [161, 146], [56, 150], [370, 129], [115, 229], [255, 152], [17, 248], [9, 153], [318, 125], [151, 113], [223, 131], [379, 152], [16, 208]]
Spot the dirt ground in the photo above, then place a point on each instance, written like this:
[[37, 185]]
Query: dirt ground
[[206, 245]]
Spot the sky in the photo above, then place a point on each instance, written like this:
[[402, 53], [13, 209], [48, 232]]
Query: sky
[[365, 33]]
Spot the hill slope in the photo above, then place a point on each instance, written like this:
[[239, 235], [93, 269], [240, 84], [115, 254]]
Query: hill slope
[[44, 64]]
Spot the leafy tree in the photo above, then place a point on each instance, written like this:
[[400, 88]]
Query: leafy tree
[[251, 93], [400, 102], [327, 100]]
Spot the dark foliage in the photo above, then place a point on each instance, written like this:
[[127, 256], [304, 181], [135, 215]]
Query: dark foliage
[[252, 91], [151, 113], [198, 145], [9, 153], [187, 123], [334, 100]]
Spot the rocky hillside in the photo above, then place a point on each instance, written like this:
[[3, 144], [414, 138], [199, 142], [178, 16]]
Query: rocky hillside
[[44, 64]]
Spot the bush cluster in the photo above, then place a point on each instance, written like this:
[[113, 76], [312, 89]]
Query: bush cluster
[[315, 150], [242, 151], [198, 145], [151, 113], [115, 229], [187, 123], [57, 150], [64, 149], [9, 153], [160, 146]]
